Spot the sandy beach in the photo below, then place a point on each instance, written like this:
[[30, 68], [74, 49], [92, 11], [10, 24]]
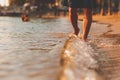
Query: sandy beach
[[109, 59], [108, 46]]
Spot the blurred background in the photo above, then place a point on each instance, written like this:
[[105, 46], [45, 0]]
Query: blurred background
[[55, 7]]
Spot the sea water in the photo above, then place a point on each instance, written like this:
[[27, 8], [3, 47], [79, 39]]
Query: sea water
[[31, 50]]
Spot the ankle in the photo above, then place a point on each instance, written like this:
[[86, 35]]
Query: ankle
[[77, 31], [84, 38]]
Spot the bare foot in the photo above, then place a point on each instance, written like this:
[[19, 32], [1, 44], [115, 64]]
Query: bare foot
[[84, 39], [80, 36], [72, 35]]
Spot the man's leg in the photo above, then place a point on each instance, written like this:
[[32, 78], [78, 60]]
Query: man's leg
[[74, 20], [87, 22]]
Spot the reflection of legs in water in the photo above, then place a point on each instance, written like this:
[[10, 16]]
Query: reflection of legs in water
[[87, 22], [74, 19]]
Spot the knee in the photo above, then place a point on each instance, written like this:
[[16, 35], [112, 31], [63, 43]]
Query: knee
[[88, 15]]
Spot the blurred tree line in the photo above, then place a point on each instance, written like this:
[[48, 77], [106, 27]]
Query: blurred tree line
[[106, 7], [43, 6], [37, 2], [103, 7]]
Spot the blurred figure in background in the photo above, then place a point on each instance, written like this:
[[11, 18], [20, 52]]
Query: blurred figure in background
[[56, 9], [25, 17], [26, 7], [26, 11]]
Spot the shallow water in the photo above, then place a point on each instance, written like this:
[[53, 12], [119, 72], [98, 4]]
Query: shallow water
[[31, 50], [79, 61]]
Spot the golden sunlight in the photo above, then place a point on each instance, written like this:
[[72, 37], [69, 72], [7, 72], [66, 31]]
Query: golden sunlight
[[4, 3]]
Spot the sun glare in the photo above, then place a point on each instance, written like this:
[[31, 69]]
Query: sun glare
[[4, 3]]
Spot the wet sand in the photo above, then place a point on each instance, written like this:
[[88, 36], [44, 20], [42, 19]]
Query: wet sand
[[109, 59], [107, 45], [79, 61]]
